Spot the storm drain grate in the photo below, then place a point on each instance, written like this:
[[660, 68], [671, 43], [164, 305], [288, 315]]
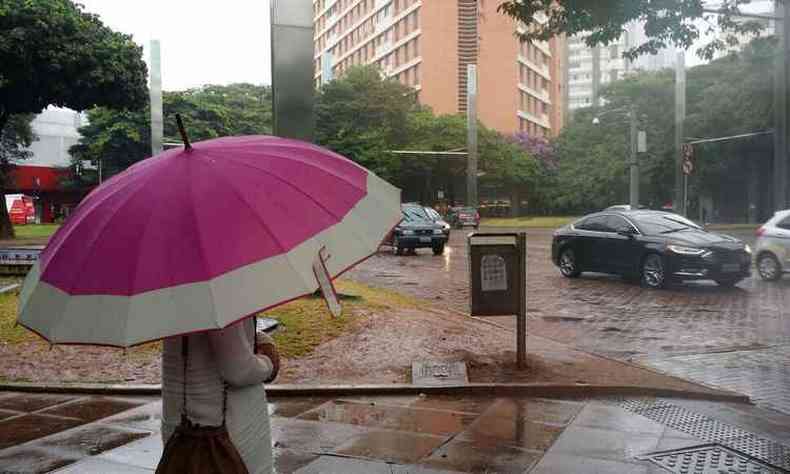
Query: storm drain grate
[[708, 459], [710, 430]]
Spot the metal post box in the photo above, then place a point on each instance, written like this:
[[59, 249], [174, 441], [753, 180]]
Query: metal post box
[[497, 280]]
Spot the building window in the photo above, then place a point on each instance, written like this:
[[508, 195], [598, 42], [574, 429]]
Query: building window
[[416, 47]]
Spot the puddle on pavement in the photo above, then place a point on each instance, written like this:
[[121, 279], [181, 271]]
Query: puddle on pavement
[[33, 461], [32, 402], [92, 440], [493, 431], [92, 409], [391, 446], [462, 456], [6, 414], [474, 405], [29, 427], [293, 407], [390, 417]]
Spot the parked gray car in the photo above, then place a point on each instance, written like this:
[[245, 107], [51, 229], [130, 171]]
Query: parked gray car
[[772, 247]]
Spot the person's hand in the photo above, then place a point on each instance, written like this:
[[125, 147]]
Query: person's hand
[[268, 348]]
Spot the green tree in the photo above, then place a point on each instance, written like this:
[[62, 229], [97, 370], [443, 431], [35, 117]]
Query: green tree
[[667, 22], [362, 116], [15, 137], [729, 96], [53, 53], [120, 138]]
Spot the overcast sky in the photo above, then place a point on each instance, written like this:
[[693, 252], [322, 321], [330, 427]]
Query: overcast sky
[[202, 42]]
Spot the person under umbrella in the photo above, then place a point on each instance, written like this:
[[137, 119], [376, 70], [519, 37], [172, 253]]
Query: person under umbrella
[[186, 246]]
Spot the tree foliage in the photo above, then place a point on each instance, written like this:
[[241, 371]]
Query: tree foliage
[[730, 96], [54, 53], [667, 22], [120, 138], [15, 137]]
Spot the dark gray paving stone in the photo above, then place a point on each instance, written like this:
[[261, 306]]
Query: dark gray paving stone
[[288, 460], [144, 453], [98, 466], [93, 439], [29, 402], [145, 417]]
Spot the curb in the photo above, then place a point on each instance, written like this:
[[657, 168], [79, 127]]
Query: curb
[[489, 389]]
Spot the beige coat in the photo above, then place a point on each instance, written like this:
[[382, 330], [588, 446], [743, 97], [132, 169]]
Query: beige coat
[[225, 355]]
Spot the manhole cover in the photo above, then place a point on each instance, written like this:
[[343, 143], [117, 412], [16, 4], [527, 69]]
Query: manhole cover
[[438, 373], [708, 459]]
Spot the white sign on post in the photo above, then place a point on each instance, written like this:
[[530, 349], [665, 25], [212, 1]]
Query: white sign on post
[[325, 283], [493, 275], [641, 142]]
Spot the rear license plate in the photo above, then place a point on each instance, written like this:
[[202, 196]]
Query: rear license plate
[[425, 239], [730, 267]]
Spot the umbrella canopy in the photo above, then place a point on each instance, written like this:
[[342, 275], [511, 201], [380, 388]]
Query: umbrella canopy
[[194, 240]]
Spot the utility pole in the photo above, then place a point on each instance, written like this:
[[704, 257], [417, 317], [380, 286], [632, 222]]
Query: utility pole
[[679, 204], [471, 140], [596, 76], [780, 108], [157, 115], [634, 186]]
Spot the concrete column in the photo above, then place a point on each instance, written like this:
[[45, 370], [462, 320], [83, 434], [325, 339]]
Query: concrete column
[[157, 114]]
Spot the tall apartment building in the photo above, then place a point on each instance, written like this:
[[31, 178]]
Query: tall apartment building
[[427, 45], [589, 69]]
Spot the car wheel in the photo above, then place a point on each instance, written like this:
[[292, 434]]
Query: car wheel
[[569, 267], [728, 282], [396, 245], [768, 267], [653, 271], [438, 249]]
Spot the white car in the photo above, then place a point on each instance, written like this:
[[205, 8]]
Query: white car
[[773, 247]]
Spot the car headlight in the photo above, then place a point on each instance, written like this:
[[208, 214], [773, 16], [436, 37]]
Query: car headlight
[[686, 250], [437, 232], [407, 232], [747, 249]]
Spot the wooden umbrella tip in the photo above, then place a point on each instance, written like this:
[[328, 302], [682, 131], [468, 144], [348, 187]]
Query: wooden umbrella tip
[[183, 132]]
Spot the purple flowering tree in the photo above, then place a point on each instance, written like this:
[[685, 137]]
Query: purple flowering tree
[[538, 147]]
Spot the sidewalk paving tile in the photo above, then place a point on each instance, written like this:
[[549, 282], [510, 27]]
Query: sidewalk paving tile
[[464, 456], [29, 402], [6, 414], [603, 444], [92, 409], [289, 408], [425, 421], [391, 446], [608, 417], [91, 439], [535, 409], [567, 463], [290, 460], [145, 417], [475, 405], [340, 465], [26, 428], [29, 460], [144, 453], [291, 433], [514, 432], [100, 466]]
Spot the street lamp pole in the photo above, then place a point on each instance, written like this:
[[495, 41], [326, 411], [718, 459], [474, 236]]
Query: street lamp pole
[[634, 186]]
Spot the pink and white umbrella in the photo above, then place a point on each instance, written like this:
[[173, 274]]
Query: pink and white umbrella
[[196, 239]]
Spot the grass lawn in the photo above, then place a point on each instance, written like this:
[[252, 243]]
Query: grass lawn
[[536, 222], [304, 323], [32, 231]]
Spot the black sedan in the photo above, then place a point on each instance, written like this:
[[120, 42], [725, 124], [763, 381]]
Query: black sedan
[[653, 246]]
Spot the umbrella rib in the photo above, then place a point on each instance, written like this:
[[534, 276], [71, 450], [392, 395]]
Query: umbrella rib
[[291, 185], [264, 225], [313, 164], [203, 254]]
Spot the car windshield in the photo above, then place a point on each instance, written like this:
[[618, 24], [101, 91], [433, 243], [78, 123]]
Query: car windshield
[[663, 223], [432, 213], [466, 210], [414, 213]]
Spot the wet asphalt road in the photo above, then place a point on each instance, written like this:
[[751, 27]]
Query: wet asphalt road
[[737, 339]]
